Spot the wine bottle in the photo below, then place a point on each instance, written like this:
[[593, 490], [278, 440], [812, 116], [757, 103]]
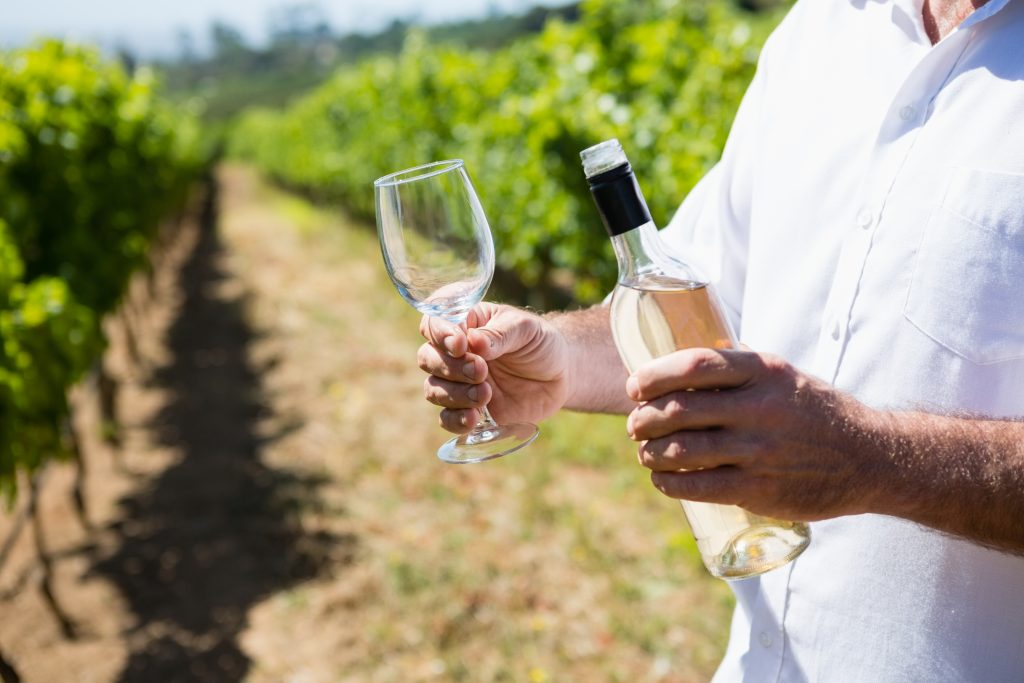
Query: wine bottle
[[661, 305]]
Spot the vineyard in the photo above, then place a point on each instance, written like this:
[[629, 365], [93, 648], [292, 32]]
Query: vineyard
[[269, 509], [90, 163], [665, 78]]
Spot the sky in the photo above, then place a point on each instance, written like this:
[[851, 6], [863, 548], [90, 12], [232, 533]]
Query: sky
[[151, 28]]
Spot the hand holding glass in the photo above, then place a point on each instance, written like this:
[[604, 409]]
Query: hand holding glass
[[438, 252]]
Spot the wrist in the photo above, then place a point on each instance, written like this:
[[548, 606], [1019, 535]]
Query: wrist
[[569, 361], [595, 375], [889, 448]]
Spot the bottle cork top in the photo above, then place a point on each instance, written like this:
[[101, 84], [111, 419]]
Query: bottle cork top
[[602, 157]]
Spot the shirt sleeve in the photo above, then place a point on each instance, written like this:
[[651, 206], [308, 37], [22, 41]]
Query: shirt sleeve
[[710, 230]]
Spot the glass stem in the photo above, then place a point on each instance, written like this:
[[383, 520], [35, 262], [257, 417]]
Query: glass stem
[[485, 421]]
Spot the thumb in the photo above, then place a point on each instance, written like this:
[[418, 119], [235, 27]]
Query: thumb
[[504, 333]]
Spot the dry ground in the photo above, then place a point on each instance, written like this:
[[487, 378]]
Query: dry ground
[[278, 516]]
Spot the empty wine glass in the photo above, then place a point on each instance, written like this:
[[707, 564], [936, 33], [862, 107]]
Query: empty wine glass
[[438, 252]]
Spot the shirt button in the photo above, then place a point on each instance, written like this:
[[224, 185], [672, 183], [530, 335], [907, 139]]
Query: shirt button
[[908, 112], [865, 219], [765, 639]]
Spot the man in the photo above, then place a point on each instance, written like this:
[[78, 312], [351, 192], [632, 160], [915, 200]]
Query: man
[[865, 229]]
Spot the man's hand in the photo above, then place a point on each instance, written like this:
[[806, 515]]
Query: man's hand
[[752, 431], [511, 360]]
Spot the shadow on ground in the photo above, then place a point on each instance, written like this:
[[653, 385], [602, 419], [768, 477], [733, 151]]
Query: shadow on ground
[[217, 531]]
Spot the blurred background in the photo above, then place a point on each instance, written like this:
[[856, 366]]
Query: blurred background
[[215, 460]]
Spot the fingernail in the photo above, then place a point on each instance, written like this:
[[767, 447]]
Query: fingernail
[[469, 370], [449, 343], [632, 387], [472, 393]]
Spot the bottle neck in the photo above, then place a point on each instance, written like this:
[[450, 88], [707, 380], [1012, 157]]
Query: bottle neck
[[639, 252]]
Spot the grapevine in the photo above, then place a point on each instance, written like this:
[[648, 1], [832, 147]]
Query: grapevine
[[91, 160], [663, 77]]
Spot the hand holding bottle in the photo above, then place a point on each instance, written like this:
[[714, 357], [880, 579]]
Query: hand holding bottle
[[515, 362], [748, 429]]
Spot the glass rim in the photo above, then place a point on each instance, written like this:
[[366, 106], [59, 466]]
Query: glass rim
[[419, 172]]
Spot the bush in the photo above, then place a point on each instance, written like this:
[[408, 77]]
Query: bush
[[90, 160], [663, 77]]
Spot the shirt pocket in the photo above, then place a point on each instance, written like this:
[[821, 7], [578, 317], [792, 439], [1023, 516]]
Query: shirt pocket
[[967, 288]]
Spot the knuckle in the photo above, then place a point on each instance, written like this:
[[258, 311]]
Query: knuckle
[[773, 406], [757, 451], [640, 426], [661, 454], [672, 485], [704, 356], [423, 357], [675, 406], [453, 420], [447, 419], [442, 370], [674, 451], [768, 405], [774, 366], [431, 391], [700, 359], [643, 379]]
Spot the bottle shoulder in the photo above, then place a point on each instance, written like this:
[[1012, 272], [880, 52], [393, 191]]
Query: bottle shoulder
[[659, 280], [644, 261]]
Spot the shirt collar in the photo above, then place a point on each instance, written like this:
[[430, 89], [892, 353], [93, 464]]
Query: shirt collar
[[984, 12], [913, 9], [980, 14]]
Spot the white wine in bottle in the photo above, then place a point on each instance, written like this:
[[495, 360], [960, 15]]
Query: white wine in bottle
[[660, 305]]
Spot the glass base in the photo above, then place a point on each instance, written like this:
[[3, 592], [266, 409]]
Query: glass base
[[487, 443], [760, 548]]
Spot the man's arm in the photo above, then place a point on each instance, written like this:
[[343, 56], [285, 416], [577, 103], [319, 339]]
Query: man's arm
[[755, 432], [598, 375], [958, 475]]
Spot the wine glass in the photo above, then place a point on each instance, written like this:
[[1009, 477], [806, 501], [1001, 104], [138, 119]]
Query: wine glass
[[438, 252]]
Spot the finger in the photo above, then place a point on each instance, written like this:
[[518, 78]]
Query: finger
[[468, 368], [481, 313], [458, 421], [683, 410], [444, 335], [456, 395], [696, 368], [507, 331], [724, 485], [704, 449]]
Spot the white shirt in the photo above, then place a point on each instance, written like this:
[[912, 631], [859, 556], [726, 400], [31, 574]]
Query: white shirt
[[866, 223]]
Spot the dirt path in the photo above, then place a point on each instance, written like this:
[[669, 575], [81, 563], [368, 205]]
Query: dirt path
[[279, 515]]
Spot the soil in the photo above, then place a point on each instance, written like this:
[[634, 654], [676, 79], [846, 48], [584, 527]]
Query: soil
[[273, 512]]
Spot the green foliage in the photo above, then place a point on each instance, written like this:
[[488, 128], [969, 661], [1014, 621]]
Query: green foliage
[[664, 77], [303, 52], [90, 160], [100, 163]]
